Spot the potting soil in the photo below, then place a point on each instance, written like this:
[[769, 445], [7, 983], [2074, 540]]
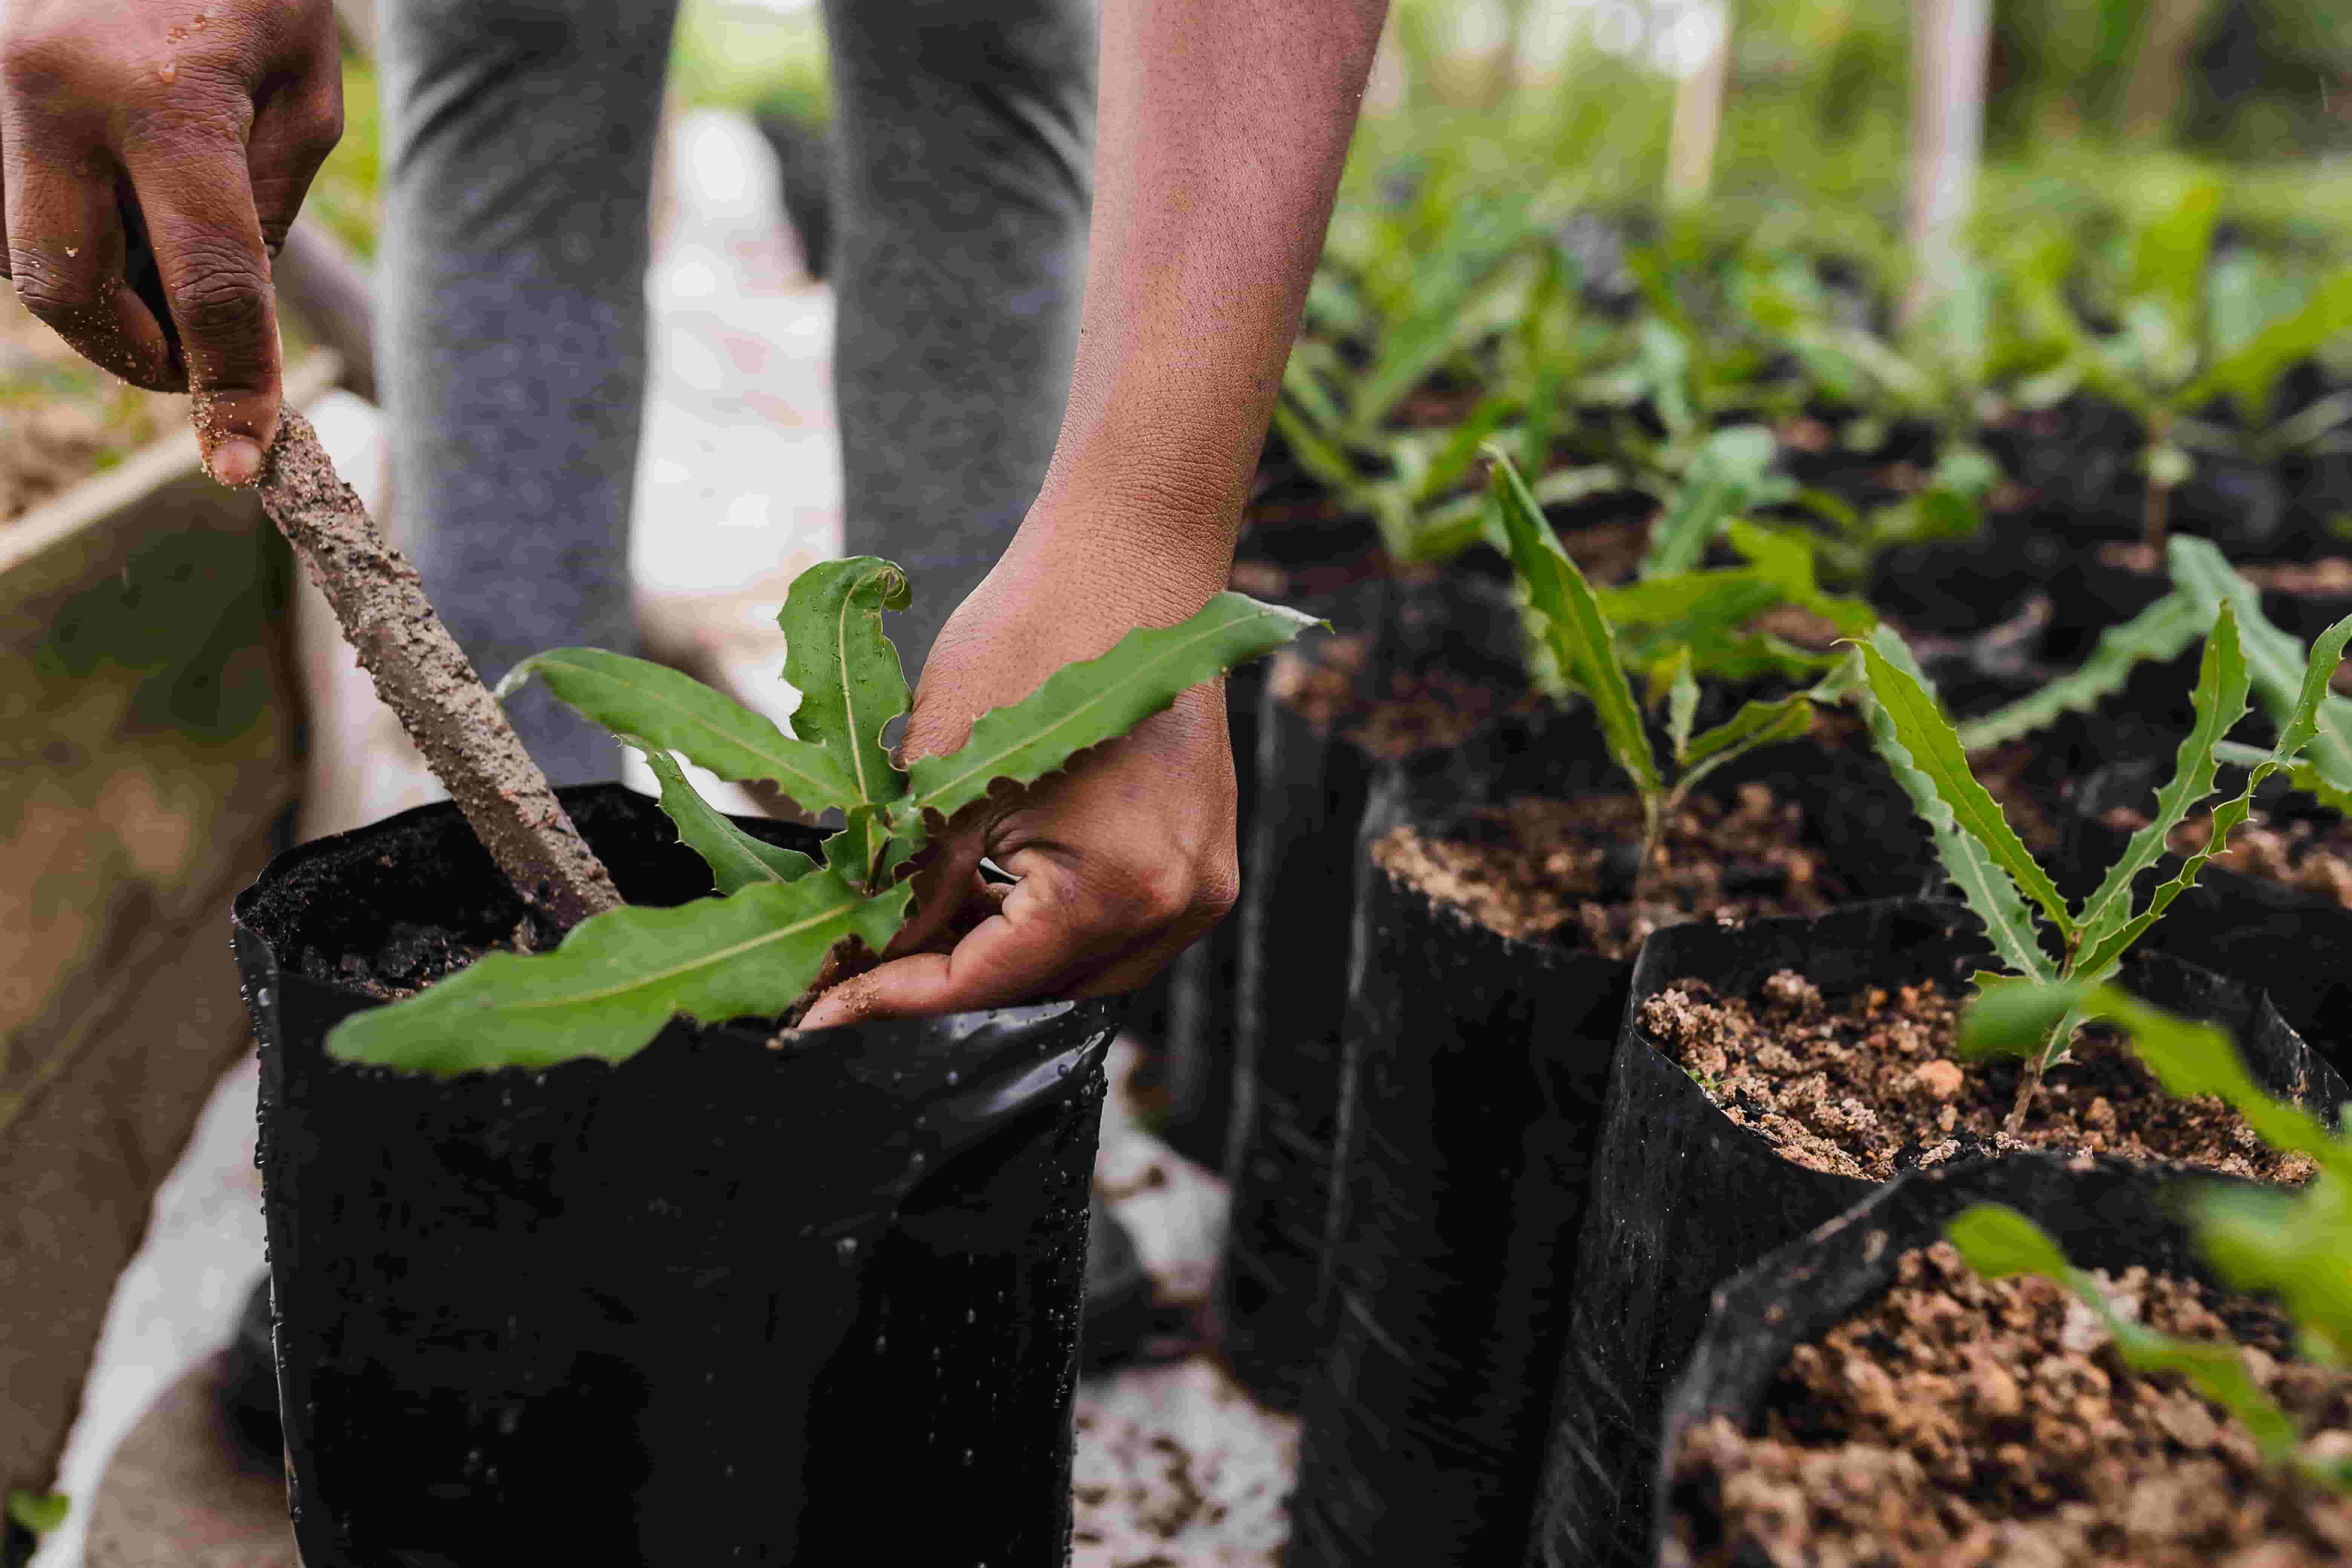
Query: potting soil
[[1563, 870], [1960, 1420], [1869, 1085]]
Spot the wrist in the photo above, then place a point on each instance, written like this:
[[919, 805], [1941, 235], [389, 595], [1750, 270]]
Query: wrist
[[1130, 556]]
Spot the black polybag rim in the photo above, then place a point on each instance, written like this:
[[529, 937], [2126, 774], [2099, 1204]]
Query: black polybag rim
[[445, 815]]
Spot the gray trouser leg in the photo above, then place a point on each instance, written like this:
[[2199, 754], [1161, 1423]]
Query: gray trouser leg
[[518, 142], [965, 138]]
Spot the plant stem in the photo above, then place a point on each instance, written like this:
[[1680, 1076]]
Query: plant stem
[[2158, 515], [2029, 1079], [1654, 833], [427, 681]]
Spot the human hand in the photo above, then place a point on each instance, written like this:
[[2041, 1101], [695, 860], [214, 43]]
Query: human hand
[[152, 156], [1124, 859]]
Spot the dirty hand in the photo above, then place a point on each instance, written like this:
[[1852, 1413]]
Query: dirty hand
[[202, 119], [1123, 859]]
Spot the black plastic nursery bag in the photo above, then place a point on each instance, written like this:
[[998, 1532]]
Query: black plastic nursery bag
[[2104, 1213], [1684, 1198], [720, 1303], [1294, 925], [1475, 1071]]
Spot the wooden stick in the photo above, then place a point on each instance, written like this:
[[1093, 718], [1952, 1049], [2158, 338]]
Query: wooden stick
[[1699, 123], [1951, 41], [426, 679]]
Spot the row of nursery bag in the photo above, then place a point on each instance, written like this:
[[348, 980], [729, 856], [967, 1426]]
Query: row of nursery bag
[[1479, 1217]]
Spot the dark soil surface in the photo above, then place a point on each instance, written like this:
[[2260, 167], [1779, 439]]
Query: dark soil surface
[[1868, 1087], [1965, 1422], [412, 958], [1562, 870]]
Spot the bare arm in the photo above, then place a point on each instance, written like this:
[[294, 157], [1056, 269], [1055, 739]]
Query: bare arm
[[1223, 126]]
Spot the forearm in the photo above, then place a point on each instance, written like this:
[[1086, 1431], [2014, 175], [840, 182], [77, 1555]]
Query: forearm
[[1224, 127]]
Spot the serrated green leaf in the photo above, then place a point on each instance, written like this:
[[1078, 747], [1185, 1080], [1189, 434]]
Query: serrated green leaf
[[848, 675], [1565, 620], [2157, 633], [2219, 703], [1084, 705], [39, 1513], [2300, 727], [1931, 756], [2277, 664], [2295, 730], [1755, 725], [1723, 477], [873, 843], [620, 977], [2301, 776], [736, 859], [678, 714]]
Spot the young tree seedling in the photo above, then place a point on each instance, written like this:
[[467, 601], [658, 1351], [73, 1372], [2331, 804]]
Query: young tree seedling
[[1573, 647], [1998, 876], [756, 947]]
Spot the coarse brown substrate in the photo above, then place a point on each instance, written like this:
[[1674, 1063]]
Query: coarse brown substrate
[[1868, 1087], [1562, 870], [1961, 1421]]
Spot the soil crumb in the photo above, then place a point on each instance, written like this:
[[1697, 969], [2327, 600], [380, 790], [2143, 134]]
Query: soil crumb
[[1562, 870], [1868, 1085], [1964, 1422]]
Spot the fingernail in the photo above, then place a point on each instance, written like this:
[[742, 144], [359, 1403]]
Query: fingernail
[[236, 462]]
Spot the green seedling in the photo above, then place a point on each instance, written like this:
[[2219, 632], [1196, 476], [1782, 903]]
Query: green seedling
[[778, 918], [1575, 648], [2202, 580], [2293, 1247], [2193, 330], [1998, 876]]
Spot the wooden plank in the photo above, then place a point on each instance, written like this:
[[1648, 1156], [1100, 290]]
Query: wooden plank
[[147, 748]]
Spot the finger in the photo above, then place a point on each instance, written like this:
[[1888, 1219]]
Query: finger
[[947, 885], [206, 233], [1050, 938], [66, 251], [293, 131]]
